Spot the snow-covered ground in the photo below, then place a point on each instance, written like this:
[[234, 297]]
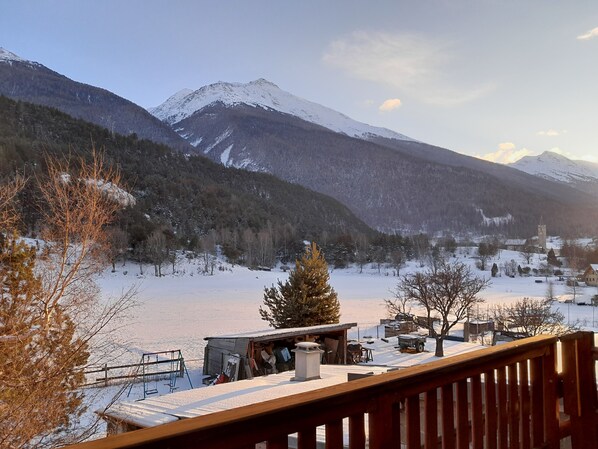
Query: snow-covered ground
[[178, 311]]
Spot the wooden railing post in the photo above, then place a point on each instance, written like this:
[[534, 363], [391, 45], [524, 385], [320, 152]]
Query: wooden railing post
[[380, 423], [551, 403], [431, 419], [579, 389], [334, 434], [491, 414], [357, 431]]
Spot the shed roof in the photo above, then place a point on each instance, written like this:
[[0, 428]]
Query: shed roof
[[269, 334]]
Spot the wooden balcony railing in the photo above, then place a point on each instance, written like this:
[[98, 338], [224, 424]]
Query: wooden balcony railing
[[502, 397]]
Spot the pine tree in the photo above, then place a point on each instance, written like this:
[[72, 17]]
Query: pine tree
[[306, 298], [494, 270], [41, 358]]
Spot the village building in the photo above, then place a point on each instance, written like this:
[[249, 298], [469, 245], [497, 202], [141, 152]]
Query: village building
[[590, 276], [515, 244]]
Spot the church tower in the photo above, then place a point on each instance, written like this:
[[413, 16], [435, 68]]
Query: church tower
[[542, 235]]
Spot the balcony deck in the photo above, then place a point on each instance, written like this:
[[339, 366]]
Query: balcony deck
[[508, 396]]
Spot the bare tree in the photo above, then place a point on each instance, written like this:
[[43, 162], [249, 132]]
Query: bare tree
[[532, 317], [156, 250], [118, 245], [527, 252], [51, 319], [446, 293]]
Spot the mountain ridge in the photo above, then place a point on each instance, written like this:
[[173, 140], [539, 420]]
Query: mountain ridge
[[31, 81], [265, 94], [393, 185], [582, 175]]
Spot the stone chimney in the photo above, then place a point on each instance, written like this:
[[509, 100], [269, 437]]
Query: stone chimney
[[307, 361]]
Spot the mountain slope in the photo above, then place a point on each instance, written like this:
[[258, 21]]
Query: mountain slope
[[392, 184], [30, 81], [266, 95], [191, 194], [582, 175]]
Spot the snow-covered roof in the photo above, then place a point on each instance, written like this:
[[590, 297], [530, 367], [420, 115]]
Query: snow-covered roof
[[289, 332], [515, 242], [203, 401]]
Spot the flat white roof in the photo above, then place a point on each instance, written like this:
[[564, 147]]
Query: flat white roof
[[203, 401], [171, 407]]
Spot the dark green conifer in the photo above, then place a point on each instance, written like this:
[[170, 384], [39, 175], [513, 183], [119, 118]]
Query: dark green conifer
[[306, 298]]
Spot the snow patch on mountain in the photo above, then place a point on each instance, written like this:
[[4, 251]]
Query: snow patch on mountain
[[225, 156], [225, 135], [555, 167], [196, 141], [8, 57], [495, 221], [264, 94]]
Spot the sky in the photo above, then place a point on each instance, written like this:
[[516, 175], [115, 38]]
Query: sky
[[498, 79]]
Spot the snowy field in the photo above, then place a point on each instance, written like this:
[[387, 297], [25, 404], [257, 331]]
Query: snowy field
[[178, 311]]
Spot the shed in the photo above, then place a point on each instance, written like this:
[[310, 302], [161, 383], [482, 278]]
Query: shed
[[246, 349]]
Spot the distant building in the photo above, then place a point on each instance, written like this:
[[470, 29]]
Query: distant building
[[590, 276], [515, 244], [542, 236]]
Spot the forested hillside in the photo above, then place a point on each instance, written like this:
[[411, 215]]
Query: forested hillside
[[182, 201]]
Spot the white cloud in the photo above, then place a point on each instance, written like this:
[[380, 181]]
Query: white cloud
[[551, 132], [389, 105], [507, 153], [410, 63], [589, 35]]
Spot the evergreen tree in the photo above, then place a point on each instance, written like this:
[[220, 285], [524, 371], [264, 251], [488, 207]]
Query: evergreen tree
[[41, 358], [494, 270], [306, 298], [551, 258]]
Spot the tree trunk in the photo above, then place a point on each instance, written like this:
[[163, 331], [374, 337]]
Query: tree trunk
[[439, 347]]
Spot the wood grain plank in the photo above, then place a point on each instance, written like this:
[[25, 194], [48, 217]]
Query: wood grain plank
[[334, 434], [447, 419], [357, 431], [306, 439], [431, 419], [413, 422], [491, 424], [501, 400], [513, 407], [462, 415], [477, 416], [524, 394]]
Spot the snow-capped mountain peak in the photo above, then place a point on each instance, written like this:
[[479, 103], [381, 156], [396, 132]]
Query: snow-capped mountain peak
[[8, 57], [556, 167], [267, 95]]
